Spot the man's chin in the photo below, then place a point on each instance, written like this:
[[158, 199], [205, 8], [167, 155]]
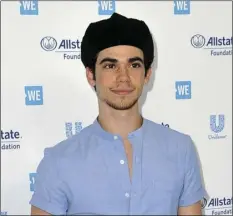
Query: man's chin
[[121, 106]]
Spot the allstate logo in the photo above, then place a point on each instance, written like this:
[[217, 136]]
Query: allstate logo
[[198, 41], [48, 43], [221, 121], [203, 203]]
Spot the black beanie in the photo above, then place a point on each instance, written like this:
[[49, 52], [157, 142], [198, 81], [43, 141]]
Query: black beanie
[[116, 30]]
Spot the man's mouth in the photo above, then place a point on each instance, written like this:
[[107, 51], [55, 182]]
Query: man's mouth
[[122, 91]]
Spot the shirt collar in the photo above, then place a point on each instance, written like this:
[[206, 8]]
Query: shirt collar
[[110, 136]]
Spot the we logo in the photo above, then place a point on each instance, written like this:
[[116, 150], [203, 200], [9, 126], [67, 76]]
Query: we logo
[[106, 7], [34, 95], [29, 7], [181, 7]]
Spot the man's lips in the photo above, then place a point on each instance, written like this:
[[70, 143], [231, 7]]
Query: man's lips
[[122, 91]]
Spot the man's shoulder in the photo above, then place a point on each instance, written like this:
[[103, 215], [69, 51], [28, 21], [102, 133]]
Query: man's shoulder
[[163, 130], [70, 144], [166, 134], [170, 141]]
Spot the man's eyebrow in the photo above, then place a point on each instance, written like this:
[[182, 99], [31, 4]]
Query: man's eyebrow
[[113, 60], [108, 60], [136, 59]]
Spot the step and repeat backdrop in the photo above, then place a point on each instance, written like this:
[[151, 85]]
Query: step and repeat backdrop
[[45, 97]]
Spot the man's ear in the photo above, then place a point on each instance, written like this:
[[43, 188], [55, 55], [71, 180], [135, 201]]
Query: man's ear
[[148, 75], [90, 76]]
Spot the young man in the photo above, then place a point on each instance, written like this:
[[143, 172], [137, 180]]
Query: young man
[[122, 163]]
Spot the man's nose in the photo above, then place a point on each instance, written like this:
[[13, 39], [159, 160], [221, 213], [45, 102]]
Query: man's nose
[[123, 74]]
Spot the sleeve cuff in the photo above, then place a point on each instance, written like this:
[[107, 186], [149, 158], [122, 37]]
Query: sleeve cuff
[[46, 206], [192, 198]]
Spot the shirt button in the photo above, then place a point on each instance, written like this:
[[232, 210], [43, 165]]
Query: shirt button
[[115, 137], [127, 195], [122, 161]]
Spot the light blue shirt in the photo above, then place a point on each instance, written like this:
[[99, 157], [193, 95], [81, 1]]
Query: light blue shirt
[[88, 173]]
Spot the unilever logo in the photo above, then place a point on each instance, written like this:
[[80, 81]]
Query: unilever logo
[[70, 49], [198, 41], [213, 123], [218, 46], [217, 125], [48, 43], [73, 128]]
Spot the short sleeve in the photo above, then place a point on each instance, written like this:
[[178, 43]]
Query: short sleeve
[[49, 191], [193, 190]]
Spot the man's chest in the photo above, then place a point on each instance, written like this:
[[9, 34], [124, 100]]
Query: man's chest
[[122, 177]]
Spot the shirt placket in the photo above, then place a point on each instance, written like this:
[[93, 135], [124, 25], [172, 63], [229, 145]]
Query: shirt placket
[[123, 173], [131, 188], [136, 180]]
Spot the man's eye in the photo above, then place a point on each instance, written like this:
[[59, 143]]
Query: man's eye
[[109, 66], [136, 65]]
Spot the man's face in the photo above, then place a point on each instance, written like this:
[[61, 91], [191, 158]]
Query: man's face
[[120, 76]]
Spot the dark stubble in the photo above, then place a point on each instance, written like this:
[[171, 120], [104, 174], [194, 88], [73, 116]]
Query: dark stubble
[[122, 105]]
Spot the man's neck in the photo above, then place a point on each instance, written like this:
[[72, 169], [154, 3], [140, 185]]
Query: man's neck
[[120, 122]]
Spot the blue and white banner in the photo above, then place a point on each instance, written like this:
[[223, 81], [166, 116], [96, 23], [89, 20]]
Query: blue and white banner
[[46, 98]]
